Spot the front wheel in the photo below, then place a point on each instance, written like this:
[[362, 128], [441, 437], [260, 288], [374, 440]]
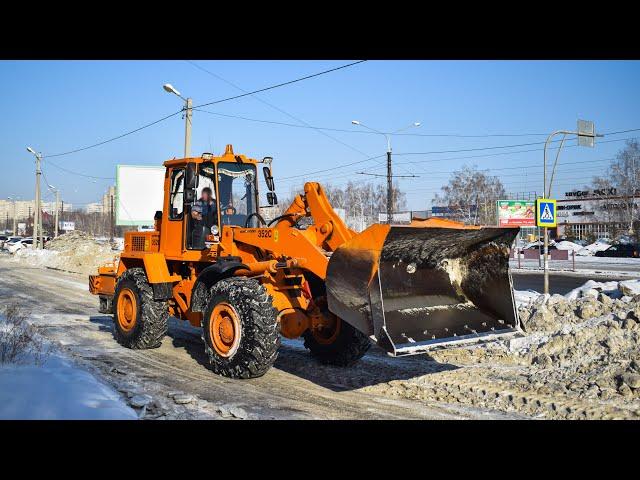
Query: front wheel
[[240, 328]]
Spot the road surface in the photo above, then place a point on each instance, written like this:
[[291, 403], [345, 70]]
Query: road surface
[[295, 388], [558, 283]]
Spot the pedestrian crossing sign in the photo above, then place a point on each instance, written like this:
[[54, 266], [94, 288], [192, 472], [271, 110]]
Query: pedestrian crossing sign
[[545, 212]]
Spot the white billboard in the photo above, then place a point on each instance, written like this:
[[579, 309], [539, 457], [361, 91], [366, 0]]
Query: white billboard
[[139, 194], [67, 226]]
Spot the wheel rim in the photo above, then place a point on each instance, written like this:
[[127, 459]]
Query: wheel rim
[[224, 329], [127, 309], [327, 332]]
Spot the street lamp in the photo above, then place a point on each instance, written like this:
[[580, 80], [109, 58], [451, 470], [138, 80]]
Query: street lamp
[[586, 137], [37, 220], [188, 108], [389, 175]]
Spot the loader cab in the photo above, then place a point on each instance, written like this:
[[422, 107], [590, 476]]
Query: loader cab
[[195, 224]]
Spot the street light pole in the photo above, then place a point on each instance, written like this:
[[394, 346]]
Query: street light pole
[[586, 134], [188, 114], [37, 221], [389, 172]]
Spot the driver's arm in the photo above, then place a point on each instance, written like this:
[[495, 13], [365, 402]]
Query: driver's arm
[[196, 211]]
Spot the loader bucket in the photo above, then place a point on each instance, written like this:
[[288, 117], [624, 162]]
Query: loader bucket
[[412, 289]]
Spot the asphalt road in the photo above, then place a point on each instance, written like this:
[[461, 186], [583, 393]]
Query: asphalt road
[[561, 284]]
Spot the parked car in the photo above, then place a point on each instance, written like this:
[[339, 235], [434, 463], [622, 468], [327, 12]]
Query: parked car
[[3, 238], [621, 250], [20, 244], [10, 241]]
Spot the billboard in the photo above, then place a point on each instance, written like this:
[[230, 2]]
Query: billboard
[[67, 226], [139, 194], [516, 213]]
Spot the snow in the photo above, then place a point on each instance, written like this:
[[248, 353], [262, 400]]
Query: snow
[[593, 288], [523, 297], [44, 385], [598, 246], [567, 245], [57, 390], [630, 287]]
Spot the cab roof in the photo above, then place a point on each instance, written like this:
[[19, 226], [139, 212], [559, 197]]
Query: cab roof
[[227, 156]]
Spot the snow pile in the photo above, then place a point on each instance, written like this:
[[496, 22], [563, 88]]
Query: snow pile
[[586, 341], [591, 249], [57, 390], [74, 252], [37, 384], [567, 245]]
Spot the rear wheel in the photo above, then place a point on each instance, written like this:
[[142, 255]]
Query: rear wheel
[[336, 343], [140, 321], [240, 328]]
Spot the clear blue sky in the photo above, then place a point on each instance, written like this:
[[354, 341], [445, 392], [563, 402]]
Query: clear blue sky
[[56, 106]]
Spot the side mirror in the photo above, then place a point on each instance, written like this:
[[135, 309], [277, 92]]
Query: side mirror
[[189, 195], [190, 177], [268, 178], [272, 198]]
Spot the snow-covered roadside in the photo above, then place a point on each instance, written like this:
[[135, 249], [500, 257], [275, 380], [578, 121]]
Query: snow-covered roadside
[[57, 390], [42, 384]]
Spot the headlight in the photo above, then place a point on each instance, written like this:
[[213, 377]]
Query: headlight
[[214, 229]]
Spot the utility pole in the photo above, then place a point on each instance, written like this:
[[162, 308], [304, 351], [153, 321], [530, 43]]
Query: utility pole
[[188, 113], [37, 224], [389, 172], [389, 189], [57, 208], [187, 127], [14, 217], [111, 211]]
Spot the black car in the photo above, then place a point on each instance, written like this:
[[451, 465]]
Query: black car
[[628, 251]]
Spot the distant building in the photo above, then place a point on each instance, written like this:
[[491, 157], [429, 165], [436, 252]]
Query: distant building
[[26, 208], [94, 208]]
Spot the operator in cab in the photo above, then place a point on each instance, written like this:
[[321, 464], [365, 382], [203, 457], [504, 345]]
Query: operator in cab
[[204, 215]]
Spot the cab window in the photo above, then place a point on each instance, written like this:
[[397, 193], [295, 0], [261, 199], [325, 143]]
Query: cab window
[[237, 193], [176, 197]]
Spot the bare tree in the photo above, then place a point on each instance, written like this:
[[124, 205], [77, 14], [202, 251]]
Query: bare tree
[[361, 202], [623, 180], [472, 196]]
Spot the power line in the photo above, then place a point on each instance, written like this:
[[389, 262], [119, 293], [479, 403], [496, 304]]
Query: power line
[[307, 77], [72, 172], [113, 138], [303, 123]]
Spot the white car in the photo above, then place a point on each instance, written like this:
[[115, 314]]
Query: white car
[[20, 244], [10, 241]]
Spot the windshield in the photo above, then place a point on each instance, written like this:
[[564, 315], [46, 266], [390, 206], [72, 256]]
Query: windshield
[[237, 193]]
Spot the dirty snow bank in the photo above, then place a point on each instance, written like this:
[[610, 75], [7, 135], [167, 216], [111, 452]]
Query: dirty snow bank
[[37, 383], [579, 358], [74, 252]]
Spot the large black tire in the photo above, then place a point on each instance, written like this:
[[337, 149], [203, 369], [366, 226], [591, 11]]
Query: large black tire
[[151, 321], [256, 347], [347, 348]]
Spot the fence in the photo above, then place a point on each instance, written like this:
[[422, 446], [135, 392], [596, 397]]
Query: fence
[[536, 254]]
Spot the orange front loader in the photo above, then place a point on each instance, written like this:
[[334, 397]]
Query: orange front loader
[[303, 274]]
